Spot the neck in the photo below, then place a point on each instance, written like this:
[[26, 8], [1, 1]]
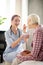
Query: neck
[[14, 30], [35, 26]]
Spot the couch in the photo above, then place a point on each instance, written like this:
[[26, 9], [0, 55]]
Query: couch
[[31, 63], [2, 45]]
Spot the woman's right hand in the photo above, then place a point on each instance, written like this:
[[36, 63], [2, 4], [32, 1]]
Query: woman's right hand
[[25, 52], [24, 36]]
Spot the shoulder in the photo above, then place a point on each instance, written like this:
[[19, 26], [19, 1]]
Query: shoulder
[[8, 32], [39, 30]]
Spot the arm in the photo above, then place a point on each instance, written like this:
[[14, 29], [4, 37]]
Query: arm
[[15, 43], [37, 40], [10, 42]]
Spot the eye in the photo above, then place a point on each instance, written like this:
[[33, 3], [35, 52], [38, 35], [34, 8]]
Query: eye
[[17, 20]]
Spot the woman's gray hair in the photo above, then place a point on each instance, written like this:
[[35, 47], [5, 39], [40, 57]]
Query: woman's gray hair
[[35, 18]]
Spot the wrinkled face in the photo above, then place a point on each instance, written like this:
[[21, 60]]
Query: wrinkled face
[[29, 23], [15, 21]]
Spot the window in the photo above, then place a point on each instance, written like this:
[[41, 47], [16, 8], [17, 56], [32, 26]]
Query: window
[[24, 11], [7, 9]]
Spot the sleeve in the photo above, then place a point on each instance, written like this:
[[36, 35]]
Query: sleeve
[[22, 41], [8, 39], [37, 40]]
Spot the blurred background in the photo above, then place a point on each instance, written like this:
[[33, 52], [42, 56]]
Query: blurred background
[[20, 7]]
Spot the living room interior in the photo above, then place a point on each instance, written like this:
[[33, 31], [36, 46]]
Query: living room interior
[[22, 8]]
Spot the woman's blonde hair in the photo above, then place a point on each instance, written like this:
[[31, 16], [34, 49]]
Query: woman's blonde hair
[[35, 18]]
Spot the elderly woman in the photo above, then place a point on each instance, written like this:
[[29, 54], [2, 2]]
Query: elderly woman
[[37, 41]]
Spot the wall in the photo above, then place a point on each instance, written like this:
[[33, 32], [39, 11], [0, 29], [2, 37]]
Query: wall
[[18, 7], [36, 6]]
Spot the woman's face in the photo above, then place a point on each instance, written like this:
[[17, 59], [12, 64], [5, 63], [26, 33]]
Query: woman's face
[[15, 21], [29, 23]]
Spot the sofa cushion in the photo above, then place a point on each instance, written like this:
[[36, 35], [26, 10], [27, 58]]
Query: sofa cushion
[[32, 63]]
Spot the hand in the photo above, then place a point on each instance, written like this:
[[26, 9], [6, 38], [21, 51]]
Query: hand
[[25, 53], [26, 35], [24, 28]]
